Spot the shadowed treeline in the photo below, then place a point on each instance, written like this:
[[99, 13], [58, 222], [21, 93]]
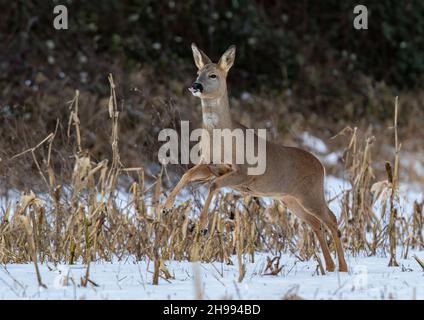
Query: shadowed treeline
[[299, 65]]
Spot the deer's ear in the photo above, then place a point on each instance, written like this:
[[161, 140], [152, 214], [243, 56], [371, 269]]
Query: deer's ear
[[227, 59], [200, 58]]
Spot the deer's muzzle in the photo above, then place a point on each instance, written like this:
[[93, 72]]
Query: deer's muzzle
[[196, 88]]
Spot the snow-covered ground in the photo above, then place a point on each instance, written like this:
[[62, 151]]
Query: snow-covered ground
[[368, 278]]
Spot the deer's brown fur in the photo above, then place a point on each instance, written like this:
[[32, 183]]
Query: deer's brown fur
[[292, 175]]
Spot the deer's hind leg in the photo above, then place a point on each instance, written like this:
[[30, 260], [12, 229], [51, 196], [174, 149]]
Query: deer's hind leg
[[316, 226], [317, 207], [331, 222]]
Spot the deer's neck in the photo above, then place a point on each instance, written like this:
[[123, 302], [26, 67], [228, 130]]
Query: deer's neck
[[216, 113]]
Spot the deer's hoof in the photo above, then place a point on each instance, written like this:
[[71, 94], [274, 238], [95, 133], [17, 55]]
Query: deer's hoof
[[190, 226], [165, 211], [330, 268]]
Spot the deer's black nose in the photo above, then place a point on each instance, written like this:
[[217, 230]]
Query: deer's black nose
[[197, 86]]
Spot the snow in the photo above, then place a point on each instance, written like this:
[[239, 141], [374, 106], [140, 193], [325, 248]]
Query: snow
[[413, 160], [331, 159], [368, 278], [334, 188], [313, 143]]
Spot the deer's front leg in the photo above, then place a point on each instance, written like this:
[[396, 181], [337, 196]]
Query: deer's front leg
[[198, 172], [232, 178]]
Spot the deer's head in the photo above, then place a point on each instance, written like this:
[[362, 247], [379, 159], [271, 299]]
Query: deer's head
[[211, 81]]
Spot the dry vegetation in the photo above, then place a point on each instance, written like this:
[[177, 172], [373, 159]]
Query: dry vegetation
[[85, 219]]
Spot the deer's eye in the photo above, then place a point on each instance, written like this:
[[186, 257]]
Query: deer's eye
[[213, 76]]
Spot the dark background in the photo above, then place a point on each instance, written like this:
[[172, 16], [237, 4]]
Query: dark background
[[300, 65]]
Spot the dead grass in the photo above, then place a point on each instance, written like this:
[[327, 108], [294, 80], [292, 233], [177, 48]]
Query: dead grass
[[84, 219]]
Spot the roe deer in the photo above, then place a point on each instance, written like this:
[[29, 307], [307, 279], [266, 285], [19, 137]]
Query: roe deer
[[292, 175]]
